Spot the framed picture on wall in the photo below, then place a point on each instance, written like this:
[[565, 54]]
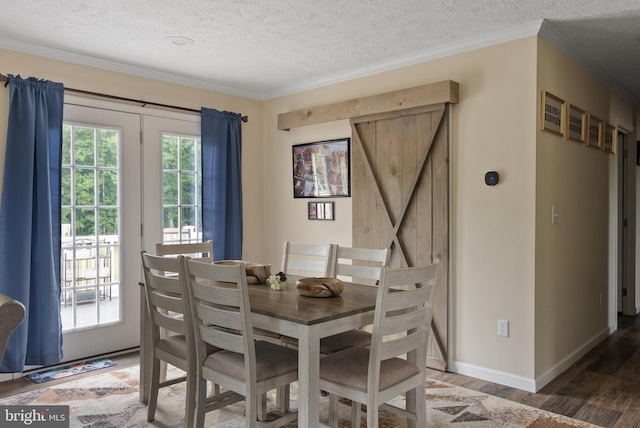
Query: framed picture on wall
[[312, 211], [322, 169], [609, 138], [576, 118], [328, 210], [552, 114], [320, 210], [594, 131]]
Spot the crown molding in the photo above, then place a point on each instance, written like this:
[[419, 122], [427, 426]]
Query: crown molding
[[540, 27], [513, 33], [510, 34], [549, 33], [121, 67]]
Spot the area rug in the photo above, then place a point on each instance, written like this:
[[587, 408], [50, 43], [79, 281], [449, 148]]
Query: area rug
[[71, 370], [110, 400]]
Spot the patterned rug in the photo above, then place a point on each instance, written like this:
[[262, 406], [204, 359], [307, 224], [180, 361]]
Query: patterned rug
[[110, 399]]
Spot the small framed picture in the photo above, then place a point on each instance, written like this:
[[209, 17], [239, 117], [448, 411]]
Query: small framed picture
[[328, 210], [575, 123], [312, 211], [609, 138], [552, 114], [594, 132], [320, 210]]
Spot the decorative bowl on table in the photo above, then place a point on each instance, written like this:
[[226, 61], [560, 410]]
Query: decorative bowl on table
[[319, 287], [256, 273]]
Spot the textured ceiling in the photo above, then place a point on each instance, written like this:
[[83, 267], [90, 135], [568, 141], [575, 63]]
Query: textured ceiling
[[261, 49]]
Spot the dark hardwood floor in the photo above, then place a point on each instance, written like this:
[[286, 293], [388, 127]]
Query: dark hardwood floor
[[602, 388]]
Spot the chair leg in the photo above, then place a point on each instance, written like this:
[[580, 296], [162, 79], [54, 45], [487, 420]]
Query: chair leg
[[262, 407], [333, 410], [356, 414], [416, 404], [372, 413], [282, 398], [201, 401], [153, 388], [251, 409], [190, 407]]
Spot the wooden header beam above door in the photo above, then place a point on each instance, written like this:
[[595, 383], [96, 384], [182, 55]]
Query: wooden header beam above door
[[434, 93]]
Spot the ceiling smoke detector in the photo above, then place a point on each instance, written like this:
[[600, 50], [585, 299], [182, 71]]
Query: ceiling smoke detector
[[180, 40]]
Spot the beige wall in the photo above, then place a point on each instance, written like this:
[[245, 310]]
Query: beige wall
[[507, 261], [573, 256], [492, 228], [96, 80]]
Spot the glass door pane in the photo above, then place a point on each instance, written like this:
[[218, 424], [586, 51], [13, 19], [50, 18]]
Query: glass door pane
[[172, 194], [90, 279]]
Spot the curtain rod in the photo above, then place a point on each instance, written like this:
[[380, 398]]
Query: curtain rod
[[5, 79]]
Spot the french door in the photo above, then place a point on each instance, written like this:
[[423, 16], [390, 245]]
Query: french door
[[172, 196], [130, 180], [101, 216]]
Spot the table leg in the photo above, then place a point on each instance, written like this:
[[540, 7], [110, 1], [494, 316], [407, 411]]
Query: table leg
[[308, 377]]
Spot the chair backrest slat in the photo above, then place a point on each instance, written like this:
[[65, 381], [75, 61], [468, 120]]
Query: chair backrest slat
[[199, 250], [307, 259], [222, 316], [357, 264], [399, 323], [401, 346], [169, 322]]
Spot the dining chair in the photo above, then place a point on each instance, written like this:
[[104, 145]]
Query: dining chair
[[221, 316], [12, 314], [306, 259], [360, 265], [166, 309], [364, 265], [375, 375], [200, 250]]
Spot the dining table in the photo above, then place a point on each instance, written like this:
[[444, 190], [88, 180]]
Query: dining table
[[308, 319]]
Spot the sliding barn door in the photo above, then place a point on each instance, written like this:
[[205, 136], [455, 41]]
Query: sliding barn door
[[400, 180]]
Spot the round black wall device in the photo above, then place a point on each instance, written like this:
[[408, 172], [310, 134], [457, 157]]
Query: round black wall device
[[491, 178]]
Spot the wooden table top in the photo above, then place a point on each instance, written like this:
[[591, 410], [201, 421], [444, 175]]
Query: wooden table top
[[289, 305]]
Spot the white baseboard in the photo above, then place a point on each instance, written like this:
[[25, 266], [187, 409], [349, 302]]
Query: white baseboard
[[495, 376], [571, 359], [525, 383], [9, 376]]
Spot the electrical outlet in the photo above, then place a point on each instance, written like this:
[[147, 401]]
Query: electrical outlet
[[503, 328]]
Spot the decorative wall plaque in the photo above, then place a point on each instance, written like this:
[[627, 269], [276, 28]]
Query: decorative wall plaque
[[576, 119], [552, 114]]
